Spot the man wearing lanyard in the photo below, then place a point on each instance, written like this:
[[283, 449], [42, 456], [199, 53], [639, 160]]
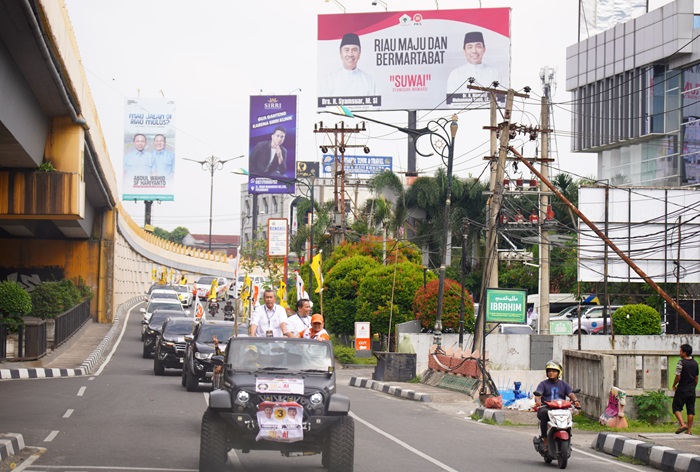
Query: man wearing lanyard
[[301, 320], [270, 319]]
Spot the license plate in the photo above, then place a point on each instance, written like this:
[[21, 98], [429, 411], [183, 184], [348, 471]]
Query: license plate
[[182, 360]]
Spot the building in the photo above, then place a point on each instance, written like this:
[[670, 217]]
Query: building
[[636, 93], [219, 242]]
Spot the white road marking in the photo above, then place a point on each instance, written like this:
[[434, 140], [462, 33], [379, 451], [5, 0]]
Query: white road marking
[[68, 413], [81, 391], [51, 436], [116, 343], [404, 445]]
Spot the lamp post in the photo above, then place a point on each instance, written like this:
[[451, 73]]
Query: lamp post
[[211, 164], [442, 133]]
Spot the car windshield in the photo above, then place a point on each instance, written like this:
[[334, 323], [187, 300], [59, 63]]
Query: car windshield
[[221, 331], [182, 288], [159, 318], [159, 305], [279, 354], [178, 327], [205, 280], [164, 294]]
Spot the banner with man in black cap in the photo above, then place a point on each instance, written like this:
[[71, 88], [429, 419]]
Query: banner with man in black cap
[[483, 74]]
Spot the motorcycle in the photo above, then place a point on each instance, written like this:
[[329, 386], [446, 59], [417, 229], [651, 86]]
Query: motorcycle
[[228, 313], [561, 420], [213, 308]]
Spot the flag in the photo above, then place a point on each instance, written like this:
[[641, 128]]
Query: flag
[[256, 295], [213, 289], [154, 275], [596, 16], [245, 296], [198, 310], [235, 266], [282, 294], [301, 289], [316, 268]]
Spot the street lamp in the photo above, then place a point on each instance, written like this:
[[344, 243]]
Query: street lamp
[[442, 133], [211, 164]]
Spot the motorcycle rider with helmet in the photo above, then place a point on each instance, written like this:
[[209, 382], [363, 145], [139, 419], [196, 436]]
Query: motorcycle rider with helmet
[[553, 388]]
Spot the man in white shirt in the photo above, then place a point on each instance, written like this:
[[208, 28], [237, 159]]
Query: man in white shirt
[[484, 75], [349, 80], [269, 319], [301, 320]]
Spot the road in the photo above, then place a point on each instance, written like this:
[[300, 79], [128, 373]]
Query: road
[[124, 418]]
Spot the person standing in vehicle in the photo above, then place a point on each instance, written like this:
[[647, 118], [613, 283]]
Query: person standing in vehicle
[[301, 320], [269, 320], [553, 388], [316, 331], [684, 385]]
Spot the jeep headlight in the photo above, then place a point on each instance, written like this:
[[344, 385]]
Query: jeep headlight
[[243, 396], [316, 399], [203, 355]]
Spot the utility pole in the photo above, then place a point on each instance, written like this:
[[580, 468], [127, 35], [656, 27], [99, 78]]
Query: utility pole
[[339, 175], [547, 76]]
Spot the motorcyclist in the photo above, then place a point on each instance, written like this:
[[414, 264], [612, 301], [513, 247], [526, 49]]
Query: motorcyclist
[[553, 388], [228, 310], [213, 307]]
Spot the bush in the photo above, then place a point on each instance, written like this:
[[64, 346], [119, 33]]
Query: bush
[[86, 292], [425, 306], [636, 320], [53, 298], [14, 300], [652, 406]]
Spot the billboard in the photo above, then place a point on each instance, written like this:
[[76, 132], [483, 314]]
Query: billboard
[[307, 169], [148, 170], [272, 144], [415, 60], [358, 165]]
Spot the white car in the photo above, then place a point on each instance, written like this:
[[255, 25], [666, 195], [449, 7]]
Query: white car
[[164, 293], [203, 285], [185, 294], [258, 280], [591, 318], [155, 304]]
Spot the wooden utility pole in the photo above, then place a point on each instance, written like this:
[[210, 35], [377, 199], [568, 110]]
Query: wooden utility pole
[[339, 175]]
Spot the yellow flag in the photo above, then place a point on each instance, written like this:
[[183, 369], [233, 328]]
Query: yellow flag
[[316, 268], [154, 275], [213, 289], [282, 295]]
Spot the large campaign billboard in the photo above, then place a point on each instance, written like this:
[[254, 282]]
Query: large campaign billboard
[[273, 144], [148, 169], [416, 60]]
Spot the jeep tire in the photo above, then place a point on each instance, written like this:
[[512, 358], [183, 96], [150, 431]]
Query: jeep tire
[[191, 382], [158, 368], [146, 352], [341, 446], [212, 447]]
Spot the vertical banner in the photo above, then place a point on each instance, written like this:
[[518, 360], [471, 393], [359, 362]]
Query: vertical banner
[[273, 144], [412, 60], [149, 149]]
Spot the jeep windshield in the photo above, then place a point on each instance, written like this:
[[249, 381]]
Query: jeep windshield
[[273, 354]]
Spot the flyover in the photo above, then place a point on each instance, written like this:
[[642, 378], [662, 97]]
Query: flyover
[[60, 215]]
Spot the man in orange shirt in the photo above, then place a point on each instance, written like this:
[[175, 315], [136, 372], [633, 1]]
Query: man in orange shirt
[[316, 331]]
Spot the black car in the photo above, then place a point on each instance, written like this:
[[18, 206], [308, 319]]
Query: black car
[[278, 394], [155, 327], [170, 344], [200, 349]]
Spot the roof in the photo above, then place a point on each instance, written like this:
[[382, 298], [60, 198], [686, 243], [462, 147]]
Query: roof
[[223, 239]]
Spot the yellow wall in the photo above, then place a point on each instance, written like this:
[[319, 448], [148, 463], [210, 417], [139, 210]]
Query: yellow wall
[[64, 146]]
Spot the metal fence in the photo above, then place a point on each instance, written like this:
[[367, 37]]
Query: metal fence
[[32, 338]]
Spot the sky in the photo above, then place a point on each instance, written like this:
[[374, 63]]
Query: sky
[[210, 56]]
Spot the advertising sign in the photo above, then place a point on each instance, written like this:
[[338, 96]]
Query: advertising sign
[[277, 240], [358, 165], [412, 60], [506, 306], [306, 169], [148, 170], [362, 336], [272, 144], [560, 327]]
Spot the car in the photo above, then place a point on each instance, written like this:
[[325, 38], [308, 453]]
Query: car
[[504, 328], [591, 317], [279, 374], [234, 290], [170, 344], [155, 327], [199, 349], [203, 285], [156, 304], [185, 293], [164, 293]]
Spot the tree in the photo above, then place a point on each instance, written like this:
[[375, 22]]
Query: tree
[[254, 255], [178, 234], [425, 306], [372, 246]]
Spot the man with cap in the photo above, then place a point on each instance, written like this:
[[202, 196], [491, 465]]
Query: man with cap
[[349, 80], [316, 331], [484, 75]]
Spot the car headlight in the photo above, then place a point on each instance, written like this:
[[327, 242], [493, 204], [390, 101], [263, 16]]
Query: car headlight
[[243, 396], [316, 398], [203, 355]]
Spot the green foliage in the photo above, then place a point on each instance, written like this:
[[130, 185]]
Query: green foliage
[[178, 234], [254, 254], [14, 300], [46, 166], [161, 233], [636, 320], [425, 306], [374, 297], [518, 275], [342, 283], [346, 355], [652, 406], [373, 247], [86, 292], [53, 298]]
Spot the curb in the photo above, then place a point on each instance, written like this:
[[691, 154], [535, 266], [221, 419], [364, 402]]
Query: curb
[[659, 457], [497, 416], [10, 444], [88, 364], [363, 382]]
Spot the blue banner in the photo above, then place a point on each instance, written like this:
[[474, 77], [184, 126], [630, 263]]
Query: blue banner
[[359, 165]]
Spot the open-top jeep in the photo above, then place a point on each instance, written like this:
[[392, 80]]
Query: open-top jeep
[[278, 394]]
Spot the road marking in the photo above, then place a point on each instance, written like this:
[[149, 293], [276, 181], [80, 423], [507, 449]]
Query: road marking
[[403, 444], [51, 436], [68, 413], [116, 343], [31, 459], [81, 391]]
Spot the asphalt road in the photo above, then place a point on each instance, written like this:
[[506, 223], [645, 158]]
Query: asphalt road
[[124, 418]]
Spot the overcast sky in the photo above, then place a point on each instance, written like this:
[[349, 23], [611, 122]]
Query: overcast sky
[[210, 56]]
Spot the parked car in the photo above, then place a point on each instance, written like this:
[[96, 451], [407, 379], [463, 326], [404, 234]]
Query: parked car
[[283, 375], [203, 285], [155, 327], [591, 317], [185, 294], [170, 344], [504, 328], [157, 304], [199, 349], [258, 280]]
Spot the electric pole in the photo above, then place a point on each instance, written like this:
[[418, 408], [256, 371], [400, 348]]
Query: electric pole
[[547, 77]]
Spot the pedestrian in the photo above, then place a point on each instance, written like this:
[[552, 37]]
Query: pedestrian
[[269, 320], [684, 386]]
